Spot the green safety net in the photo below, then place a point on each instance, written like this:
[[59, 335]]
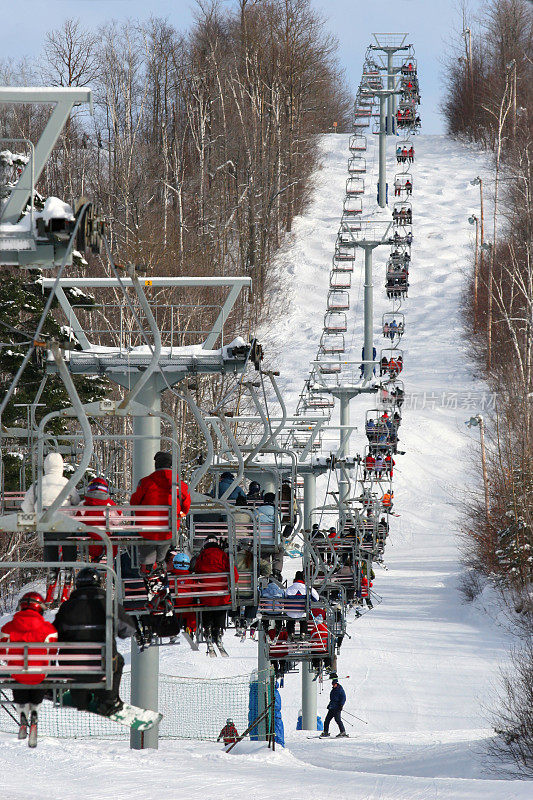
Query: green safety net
[[192, 708]]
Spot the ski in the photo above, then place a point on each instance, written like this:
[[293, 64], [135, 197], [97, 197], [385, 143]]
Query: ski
[[329, 738], [211, 650], [32, 738], [191, 642], [23, 729], [222, 650]]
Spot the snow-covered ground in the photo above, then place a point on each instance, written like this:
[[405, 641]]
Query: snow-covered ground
[[421, 669]]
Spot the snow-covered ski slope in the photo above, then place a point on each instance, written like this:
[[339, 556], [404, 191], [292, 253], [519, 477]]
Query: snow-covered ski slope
[[422, 667]]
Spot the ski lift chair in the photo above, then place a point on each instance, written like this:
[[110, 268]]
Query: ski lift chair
[[311, 644], [356, 165], [335, 322], [344, 253], [357, 143], [352, 223], [352, 207], [338, 300], [317, 401], [340, 280], [409, 67], [355, 186], [329, 366], [395, 355], [391, 394], [65, 665], [403, 182], [332, 343], [402, 214], [392, 331], [397, 286], [346, 237]]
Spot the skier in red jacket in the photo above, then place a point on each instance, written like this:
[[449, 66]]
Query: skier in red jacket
[[28, 625], [156, 490], [229, 733], [213, 559], [96, 496]]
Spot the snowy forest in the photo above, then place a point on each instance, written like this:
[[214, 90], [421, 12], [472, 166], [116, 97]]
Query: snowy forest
[[343, 482]]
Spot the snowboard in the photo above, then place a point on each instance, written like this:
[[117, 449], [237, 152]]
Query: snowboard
[[139, 719]]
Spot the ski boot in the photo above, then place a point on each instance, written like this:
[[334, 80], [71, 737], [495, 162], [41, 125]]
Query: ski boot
[[51, 588], [23, 728], [342, 735], [68, 584], [32, 738], [157, 589], [144, 634], [324, 735]]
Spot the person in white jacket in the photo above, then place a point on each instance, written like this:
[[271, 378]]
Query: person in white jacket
[[52, 483], [295, 589]]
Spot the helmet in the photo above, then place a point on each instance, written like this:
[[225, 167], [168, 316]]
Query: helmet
[[181, 561], [229, 721], [210, 539], [247, 544], [32, 600], [98, 488], [88, 576]]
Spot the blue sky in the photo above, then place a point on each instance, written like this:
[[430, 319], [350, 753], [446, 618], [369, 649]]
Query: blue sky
[[429, 22]]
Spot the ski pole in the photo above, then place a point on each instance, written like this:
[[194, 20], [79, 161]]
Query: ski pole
[[7, 710], [354, 716]]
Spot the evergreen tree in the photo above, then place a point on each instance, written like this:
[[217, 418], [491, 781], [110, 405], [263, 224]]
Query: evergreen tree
[[21, 305]]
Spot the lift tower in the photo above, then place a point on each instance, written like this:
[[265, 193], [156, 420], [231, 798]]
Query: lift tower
[[146, 372]]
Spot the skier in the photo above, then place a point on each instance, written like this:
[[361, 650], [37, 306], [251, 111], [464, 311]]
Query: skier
[[255, 493], [28, 625], [244, 564], [275, 593], [82, 618], [186, 588], [51, 485], [370, 464], [229, 733], [156, 490], [226, 479], [212, 559], [296, 589], [96, 496], [337, 699]]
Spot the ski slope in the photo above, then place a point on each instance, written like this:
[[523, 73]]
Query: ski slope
[[421, 669]]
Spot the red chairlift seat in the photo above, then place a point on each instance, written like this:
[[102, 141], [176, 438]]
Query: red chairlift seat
[[356, 165], [355, 186], [335, 322]]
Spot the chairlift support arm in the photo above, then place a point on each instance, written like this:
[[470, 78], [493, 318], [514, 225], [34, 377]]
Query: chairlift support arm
[[64, 99]]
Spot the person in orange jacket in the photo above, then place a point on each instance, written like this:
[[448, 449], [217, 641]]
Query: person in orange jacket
[[387, 500]]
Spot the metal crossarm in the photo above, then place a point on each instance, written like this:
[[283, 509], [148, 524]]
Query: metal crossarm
[[64, 99]]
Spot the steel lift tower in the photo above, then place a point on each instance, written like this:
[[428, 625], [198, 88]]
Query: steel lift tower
[[146, 372]]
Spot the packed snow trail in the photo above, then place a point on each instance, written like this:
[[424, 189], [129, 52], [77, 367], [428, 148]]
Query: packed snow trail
[[423, 665]]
